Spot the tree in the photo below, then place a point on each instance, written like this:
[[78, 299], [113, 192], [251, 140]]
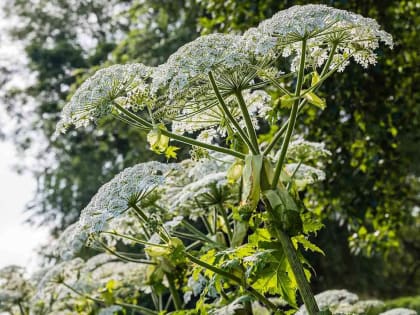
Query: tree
[[64, 43]]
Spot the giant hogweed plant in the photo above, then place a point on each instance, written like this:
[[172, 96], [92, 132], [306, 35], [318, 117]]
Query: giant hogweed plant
[[222, 232]]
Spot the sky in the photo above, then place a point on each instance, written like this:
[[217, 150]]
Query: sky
[[17, 239]]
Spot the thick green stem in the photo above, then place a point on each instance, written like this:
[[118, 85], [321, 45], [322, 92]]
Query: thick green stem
[[180, 138], [229, 115], [123, 257], [174, 292], [226, 219], [247, 118], [297, 269], [239, 281], [292, 117]]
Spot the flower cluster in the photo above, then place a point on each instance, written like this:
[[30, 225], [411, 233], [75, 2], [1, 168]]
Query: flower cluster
[[301, 150], [196, 59], [183, 191], [118, 195], [95, 97], [14, 287], [212, 122], [180, 88], [322, 27]]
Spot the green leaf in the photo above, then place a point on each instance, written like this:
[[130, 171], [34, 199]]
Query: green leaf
[[277, 278], [307, 245], [314, 99], [311, 223]]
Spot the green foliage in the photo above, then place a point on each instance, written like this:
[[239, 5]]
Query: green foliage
[[367, 199], [368, 195], [410, 302]]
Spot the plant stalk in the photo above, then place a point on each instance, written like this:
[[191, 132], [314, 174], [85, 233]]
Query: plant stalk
[[229, 115], [247, 118], [174, 292], [180, 138], [297, 269], [292, 118]]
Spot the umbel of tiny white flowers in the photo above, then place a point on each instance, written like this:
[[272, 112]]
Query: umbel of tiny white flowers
[[95, 97], [122, 192], [326, 30]]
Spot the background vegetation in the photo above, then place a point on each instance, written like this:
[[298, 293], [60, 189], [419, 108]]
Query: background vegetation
[[370, 201]]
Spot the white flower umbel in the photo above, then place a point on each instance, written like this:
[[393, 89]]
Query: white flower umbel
[[50, 287], [213, 122], [304, 174], [70, 242], [95, 97], [322, 27], [196, 59], [14, 288], [183, 191], [301, 150], [123, 191]]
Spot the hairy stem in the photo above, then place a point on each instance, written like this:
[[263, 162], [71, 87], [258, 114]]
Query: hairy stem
[[292, 117], [174, 292], [135, 240], [247, 118], [123, 257], [197, 232], [230, 117], [297, 269]]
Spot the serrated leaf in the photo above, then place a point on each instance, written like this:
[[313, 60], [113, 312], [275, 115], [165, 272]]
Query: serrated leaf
[[277, 278], [311, 224], [258, 236], [308, 245]]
